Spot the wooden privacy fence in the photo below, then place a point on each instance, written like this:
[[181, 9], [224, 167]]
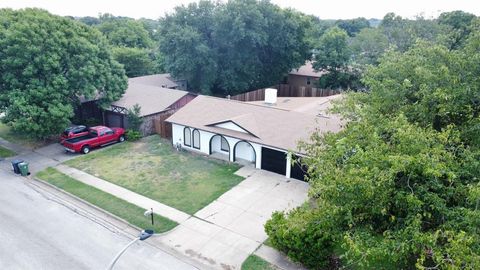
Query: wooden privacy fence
[[164, 129], [285, 90]]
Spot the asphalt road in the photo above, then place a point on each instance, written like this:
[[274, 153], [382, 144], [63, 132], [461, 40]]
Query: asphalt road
[[38, 232]]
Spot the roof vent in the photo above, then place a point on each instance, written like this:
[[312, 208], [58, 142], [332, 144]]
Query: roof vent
[[270, 96]]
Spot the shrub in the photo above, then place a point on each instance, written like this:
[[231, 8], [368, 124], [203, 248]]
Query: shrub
[[303, 236], [133, 135], [134, 118]]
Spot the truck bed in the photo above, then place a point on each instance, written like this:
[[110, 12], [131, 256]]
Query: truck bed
[[81, 138]]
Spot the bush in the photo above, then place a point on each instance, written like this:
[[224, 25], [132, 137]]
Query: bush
[[133, 135], [134, 118], [303, 236]]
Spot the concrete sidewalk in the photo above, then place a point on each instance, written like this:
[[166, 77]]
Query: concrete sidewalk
[[124, 194]]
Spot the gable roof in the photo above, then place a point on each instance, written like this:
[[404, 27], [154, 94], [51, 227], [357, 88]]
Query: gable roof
[[152, 99], [160, 80], [239, 122], [270, 126], [307, 70]]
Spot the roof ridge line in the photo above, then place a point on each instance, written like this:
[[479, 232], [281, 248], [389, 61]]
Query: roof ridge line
[[246, 103]]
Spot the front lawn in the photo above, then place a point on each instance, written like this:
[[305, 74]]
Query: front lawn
[[253, 262], [4, 152], [151, 167], [123, 209]]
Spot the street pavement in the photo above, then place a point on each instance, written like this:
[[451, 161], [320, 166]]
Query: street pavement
[[41, 231]]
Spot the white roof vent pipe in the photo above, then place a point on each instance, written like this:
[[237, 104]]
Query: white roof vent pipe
[[271, 96]]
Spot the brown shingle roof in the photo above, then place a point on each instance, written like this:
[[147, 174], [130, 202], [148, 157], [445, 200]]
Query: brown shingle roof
[[160, 80], [270, 126], [152, 99], [307, 70]]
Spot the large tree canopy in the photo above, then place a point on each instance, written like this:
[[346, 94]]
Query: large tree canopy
[[399, 187], [233, 47], [134, 44], [46, 63]]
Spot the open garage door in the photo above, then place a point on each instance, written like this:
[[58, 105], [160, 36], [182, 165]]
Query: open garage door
[[274, 161], [298, 170]]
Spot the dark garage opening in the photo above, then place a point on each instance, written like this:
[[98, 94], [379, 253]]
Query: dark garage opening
[[298, 170], [274, 161]]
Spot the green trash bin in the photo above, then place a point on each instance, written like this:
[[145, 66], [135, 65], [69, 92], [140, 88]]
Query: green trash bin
[[23, 168]]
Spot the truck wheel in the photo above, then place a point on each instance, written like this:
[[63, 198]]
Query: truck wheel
[[86, 149], [121, 138]]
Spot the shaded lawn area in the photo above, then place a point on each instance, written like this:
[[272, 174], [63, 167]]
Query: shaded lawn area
[[253, 262], [120, 208], [151, 167], [4, 152], [21, 139]]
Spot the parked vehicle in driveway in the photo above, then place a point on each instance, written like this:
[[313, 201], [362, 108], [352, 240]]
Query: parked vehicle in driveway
[[73, 132], [96, 136]]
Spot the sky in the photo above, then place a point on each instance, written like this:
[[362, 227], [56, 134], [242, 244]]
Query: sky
[[331, 9]]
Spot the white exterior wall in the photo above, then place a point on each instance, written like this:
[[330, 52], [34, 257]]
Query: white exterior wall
[[205, 136]]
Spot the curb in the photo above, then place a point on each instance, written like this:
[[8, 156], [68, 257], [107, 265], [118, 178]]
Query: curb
[[36, 181], [88, 204]]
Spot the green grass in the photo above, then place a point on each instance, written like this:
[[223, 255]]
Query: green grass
[[268, 242], [118, 207], [254, 262], [13, 137], [4, 152], [152, 168]]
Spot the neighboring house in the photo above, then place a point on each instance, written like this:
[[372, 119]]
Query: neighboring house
[[304, 76], [261, 134], [161, 80], [155, 101]]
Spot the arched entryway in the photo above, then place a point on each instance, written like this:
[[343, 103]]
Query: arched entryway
[[243, 151], [219, 146]]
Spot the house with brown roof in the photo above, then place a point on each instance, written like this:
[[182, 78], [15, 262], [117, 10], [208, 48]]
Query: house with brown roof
[[304, 76], [258, 133], [157, 97]]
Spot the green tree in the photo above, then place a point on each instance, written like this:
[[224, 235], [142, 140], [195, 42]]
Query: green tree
[[134, 44], [46, 63], [368, 45], [333, 55], [403, 33], [137, 62], [353, 26], [227, 48], [126, 32], [459, 24], [398, 187], [188, 46]]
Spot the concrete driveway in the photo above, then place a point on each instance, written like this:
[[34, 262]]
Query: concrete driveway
[[227, 231], [40, 158]]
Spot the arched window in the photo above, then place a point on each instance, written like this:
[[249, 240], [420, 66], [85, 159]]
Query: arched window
[[224, 145], [196, 139], [187, 137]]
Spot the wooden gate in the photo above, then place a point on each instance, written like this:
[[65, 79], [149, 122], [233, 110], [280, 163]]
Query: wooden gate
[[164, 129]]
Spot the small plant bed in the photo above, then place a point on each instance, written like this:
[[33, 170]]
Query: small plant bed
[[4, 152], [118, 207], [253, 262], [151, 167], [7, 134]]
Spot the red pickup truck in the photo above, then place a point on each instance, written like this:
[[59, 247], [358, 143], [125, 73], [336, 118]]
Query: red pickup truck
[[73, 132], [97, 136]]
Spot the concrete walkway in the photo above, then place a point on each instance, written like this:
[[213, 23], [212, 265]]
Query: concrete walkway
[[124, 194], [225, 232]]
